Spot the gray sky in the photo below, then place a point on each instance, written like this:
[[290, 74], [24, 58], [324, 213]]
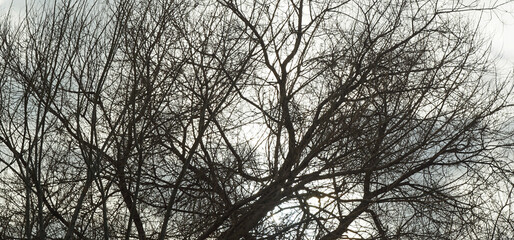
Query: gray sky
[[500, 28], [497, 25]]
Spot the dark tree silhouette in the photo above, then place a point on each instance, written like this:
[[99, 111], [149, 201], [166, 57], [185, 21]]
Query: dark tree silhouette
[[236, 119]]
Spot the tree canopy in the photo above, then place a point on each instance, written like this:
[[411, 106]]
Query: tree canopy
[[253, 119]]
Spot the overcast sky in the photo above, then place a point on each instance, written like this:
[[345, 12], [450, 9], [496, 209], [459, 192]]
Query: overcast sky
[[500, 28], [497, 25]]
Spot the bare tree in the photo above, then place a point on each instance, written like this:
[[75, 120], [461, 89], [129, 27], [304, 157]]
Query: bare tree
[[252, 120]]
